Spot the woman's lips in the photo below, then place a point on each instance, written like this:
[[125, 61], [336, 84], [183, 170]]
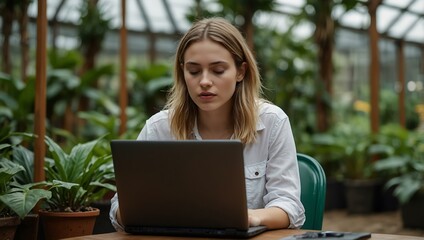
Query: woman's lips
[[207, 95]]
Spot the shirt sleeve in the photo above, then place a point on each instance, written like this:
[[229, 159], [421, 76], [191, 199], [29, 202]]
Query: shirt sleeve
[[112, 213], [282, 173], [156, 128]]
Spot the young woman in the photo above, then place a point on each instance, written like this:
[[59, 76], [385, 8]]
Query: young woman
[[216, 95]]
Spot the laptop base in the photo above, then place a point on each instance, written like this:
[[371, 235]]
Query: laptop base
[[196, 232]]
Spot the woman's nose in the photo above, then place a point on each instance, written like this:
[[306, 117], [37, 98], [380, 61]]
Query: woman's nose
[[205, 81]]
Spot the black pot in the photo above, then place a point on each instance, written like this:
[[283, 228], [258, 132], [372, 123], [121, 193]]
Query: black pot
[[413, 212], [385, 201], [335, 197], [361, 195], [103, 224], [28, 229]]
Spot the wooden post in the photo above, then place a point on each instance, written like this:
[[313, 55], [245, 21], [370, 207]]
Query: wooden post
[[123, 93], [401, 82], [40, 92], [374, 66]]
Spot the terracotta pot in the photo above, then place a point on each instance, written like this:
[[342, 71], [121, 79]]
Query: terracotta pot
[[57, 225], [8, 227]]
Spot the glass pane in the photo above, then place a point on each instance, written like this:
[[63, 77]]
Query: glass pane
[[385, 17], [397, 3], [417, 6], [355, 19], [416, 34], [135, 20], [180, 9], [110, 10], [402, 25], [292, 3], [157, 16], [289, 7]]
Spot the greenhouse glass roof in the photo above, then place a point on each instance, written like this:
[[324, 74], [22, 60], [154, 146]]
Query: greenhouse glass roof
[[395, 19]]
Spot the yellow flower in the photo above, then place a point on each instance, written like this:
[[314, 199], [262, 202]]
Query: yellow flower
[[361, 106]]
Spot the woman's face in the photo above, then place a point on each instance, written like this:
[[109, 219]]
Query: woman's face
[[211, 75]]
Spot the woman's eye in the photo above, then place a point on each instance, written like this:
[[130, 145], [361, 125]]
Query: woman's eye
[[193, 72], [219, 71]]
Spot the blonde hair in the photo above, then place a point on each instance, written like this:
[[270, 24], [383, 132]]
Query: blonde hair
[[183, 110]]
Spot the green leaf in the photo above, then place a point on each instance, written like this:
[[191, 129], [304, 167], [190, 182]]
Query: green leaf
[[390, 163], [25, 158], [62, 184], [108, 186], [22, 201], [59, 157], [8, 170]]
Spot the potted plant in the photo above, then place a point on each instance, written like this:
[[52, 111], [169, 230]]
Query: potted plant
[[85, 177], [361, 183], [392, 140], [16, 200], [326, 149], [407, 171], [24, 194], [346, 147]]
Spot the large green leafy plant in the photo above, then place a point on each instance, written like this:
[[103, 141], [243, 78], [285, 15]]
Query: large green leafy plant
[[87, 176], [344, 151], [404, 161], [18, 192], [15, 198]]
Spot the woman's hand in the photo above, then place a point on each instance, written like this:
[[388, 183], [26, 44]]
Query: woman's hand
[[272, 218], [253, 220]]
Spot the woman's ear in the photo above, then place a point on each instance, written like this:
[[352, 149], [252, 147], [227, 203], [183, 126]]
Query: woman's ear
[[241, 72]]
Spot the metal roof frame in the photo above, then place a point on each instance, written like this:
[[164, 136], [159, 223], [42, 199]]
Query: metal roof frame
[[174, 27]]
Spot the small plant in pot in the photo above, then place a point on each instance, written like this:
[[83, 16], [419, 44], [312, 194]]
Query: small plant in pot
[[16, 200], [17, 167], [326, 148], [360, 181], [407, 168], [347, 145], [84, 177]]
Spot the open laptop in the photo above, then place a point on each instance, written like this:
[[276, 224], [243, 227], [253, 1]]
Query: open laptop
[[186, 188]]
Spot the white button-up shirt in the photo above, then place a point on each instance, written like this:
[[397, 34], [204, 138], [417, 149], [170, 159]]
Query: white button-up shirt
[[271, 168]]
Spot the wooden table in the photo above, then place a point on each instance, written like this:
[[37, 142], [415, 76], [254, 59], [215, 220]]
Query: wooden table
[[269, 235]]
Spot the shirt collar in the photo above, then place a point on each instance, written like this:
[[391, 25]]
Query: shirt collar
[[196, 135]]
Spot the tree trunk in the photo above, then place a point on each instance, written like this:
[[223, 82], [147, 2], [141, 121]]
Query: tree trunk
[[374, 66], [324, 34], [23, 27], [123, 93], [91, 48], [7, 20], [248, 27], [401, 82]]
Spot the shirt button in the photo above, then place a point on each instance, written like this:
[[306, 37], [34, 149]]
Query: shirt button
[[256, 173]]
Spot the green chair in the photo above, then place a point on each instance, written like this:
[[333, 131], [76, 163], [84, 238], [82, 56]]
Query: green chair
[[313, 181]]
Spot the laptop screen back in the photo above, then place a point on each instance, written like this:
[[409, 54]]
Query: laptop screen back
[[187, 184]]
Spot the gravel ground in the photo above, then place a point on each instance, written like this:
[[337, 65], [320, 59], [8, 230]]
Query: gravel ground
[[385, 222]]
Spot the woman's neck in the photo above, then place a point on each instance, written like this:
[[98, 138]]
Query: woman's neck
[[215, 126]]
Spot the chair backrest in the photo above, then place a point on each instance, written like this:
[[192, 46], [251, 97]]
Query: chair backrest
[[313, 182]]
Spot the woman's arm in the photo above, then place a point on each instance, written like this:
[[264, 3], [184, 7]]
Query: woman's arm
[[282, 173], [272, 218]]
